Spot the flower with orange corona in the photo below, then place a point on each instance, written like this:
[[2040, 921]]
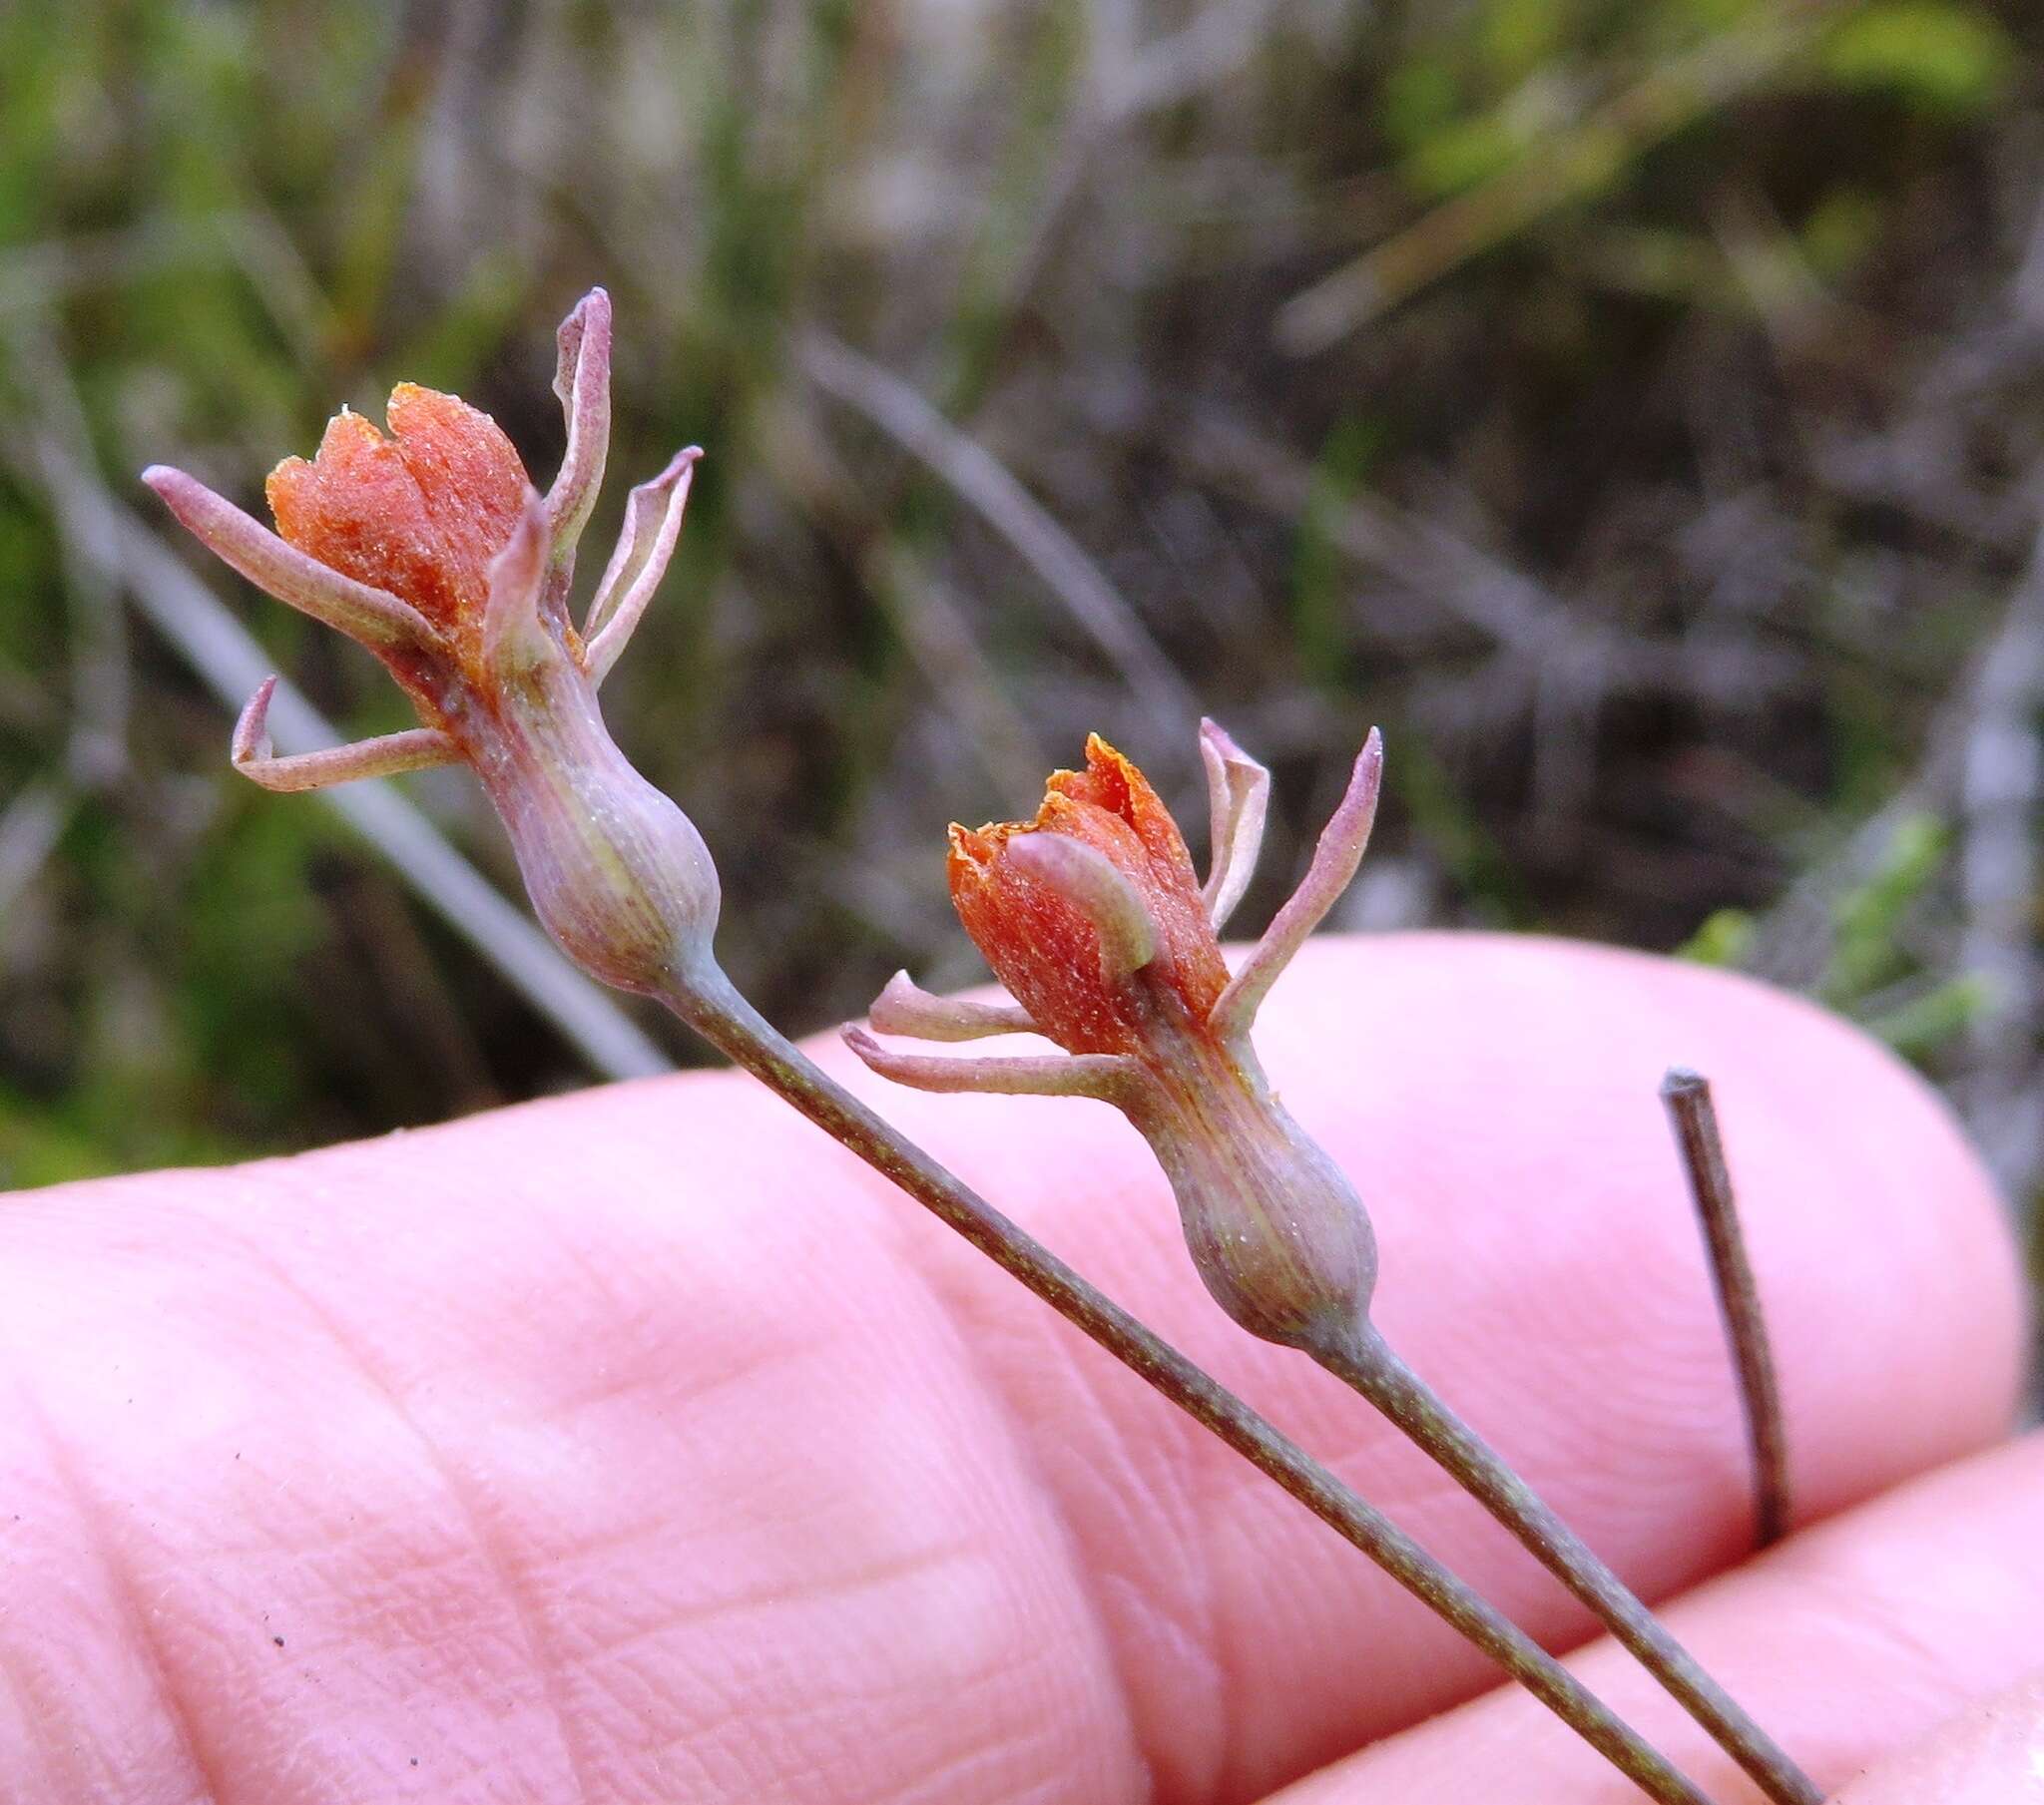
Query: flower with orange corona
[[431, 548], [1093, 918]]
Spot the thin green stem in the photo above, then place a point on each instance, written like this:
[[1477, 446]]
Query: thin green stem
[[1367, 1362], [1694, 1118], [711, 1004]]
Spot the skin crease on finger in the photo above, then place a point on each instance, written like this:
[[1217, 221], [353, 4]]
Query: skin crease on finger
[[641, 1444]]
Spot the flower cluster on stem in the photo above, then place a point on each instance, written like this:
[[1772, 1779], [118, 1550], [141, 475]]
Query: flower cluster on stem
[[430, 547]]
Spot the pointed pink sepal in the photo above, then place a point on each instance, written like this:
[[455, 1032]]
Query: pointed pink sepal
[[581, 380], [417, 751], [1335, 858], [1106, 1077], [1237, 799], [653, 522], [905, 1008], [513, 638], [374, 616]]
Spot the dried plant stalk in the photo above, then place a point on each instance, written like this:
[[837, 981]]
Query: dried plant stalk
[[1695, 1118]]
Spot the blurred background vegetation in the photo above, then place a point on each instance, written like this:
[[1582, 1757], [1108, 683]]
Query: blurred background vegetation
[[1636, 408]]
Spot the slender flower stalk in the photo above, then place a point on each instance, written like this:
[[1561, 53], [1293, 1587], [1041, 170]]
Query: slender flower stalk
[[721, 1016], [1090, 914], [431, 548]]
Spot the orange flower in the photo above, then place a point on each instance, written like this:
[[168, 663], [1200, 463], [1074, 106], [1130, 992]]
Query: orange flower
[[1046, 948], [1092, 917], [431, 548], [422, 513]]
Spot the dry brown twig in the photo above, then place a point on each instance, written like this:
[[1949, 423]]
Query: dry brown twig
[[1694, 1116]]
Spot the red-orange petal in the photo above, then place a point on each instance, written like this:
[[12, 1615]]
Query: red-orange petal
[[419, 514], [469, 477], [1169, 886], [1045, 950]]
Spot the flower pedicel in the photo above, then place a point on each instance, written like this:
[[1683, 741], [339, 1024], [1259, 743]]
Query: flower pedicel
[[431, 548], [1092, 917]]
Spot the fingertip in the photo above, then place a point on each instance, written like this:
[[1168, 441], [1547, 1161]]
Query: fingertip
[[1991, 1754]]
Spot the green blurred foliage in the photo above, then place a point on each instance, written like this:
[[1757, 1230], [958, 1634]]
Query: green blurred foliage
[[1871, 973], [1941, 58], [1660, 263]]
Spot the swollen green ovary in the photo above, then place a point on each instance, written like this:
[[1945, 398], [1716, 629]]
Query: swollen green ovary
[[1275, 1229], [615, 871]]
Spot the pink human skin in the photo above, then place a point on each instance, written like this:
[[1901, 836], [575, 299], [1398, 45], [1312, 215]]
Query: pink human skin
[[1991, 1754], [638, 1444]]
